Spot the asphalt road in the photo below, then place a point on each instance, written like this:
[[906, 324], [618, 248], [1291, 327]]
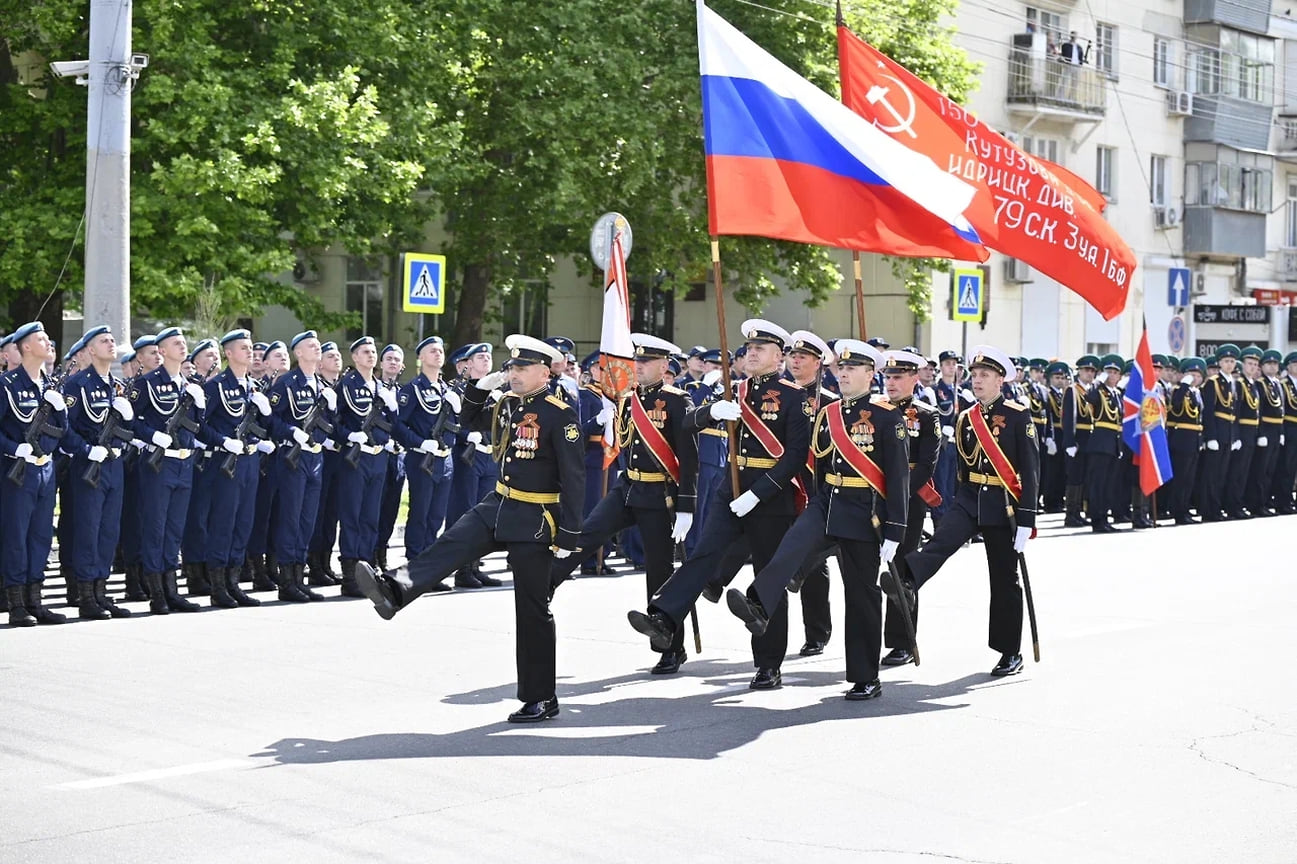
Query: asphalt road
[[1160, 726]]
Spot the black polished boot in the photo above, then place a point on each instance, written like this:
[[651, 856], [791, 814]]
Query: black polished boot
[[16, 598], [197, 582], [220, 588], [135, 583], [36, 606], [1075, 496], [299, 582], [157, 594], [105, 601], [74, 588], [380, 560], [231, 577], [320, 576], [287, 586], [261, 576], [171, 593], [349, 586], [88, 608]]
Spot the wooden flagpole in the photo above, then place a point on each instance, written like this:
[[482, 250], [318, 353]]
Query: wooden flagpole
[[860, 295], [730, 426]]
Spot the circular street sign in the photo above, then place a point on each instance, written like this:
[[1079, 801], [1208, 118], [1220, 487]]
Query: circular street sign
[[601, 238], [1175, 334]]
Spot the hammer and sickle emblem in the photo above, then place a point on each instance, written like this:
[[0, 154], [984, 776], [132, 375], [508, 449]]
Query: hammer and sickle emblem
[[878, 95]]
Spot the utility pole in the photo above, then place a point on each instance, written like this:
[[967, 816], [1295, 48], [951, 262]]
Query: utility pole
[[110, 74]]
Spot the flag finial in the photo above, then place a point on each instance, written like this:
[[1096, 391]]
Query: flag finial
[[842, 22]]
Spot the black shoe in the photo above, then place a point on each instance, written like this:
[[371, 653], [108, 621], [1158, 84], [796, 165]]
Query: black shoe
[[670, 663], [766, 679], [712, 591], [88, 609], [889, 585], [299, 582], [486, 581], [748, 611], [321, 576], [157, 594], [534, 712], [442, 588], [102, 598], [231, 577], [897, 657], [1141, 523], [1265, 511], [1010, 664], [16, 597], [135, 583], [1185, 520], [171, 595], [465, 579], [36, 606], [349, 586], [288, 591], [812, 648], [1076, 522], [868, 690], [654, 625], [219, 588], [378, 588], [1105, 528], [261, 576]]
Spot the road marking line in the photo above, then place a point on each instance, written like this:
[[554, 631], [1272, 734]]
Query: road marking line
[[156, 774]]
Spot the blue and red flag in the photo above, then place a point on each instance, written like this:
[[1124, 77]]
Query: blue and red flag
[[787, 160], [1144, 425]]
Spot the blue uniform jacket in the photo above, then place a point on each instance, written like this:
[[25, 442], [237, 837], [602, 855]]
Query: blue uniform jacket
[[155, 397], [355, 401], [292, 396], [22, 398], [89, 398]]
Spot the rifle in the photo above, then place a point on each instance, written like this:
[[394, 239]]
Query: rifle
[[314, 420], [247, 426], [179, 418], [41, 426], [373, 420], [113, 432], [441, 427]]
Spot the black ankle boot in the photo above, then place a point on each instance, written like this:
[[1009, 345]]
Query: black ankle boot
[[16, 598], [288, 585], [349, 586], [106, 602], [299, 582], [74, 588], [320, 576], [171, 593], [220, 589], [197, 583], [261, 577], [231, 577], [157, 594], [88, 608], [36, 606], [135, 583]]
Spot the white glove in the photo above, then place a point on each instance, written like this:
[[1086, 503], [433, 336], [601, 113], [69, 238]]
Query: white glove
[[358, 438], [266, 447], [390, 447], [1051, 447], [161, 439], [1020, 539], [680, 528], [1071, 451], [263, 404], [1213, 445], [949, 432], [427, 445], [23, 450], [559, 554], [196, 393], [232, 445], [473, 437], [604, 416], [1263, 442], [1281, 440], [388, 396], [97, 453], [491, 381], [726, 411], [967, 395], [1237, 445], [300, 436], [55, 398], [122, 406], [330, 397], [451, 398], [330, 445], [744, 504], [888, 552], [712, 377]]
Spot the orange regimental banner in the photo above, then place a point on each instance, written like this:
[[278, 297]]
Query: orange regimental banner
[[653, 438], [1021, 207], [1003, 467], [855, 457]]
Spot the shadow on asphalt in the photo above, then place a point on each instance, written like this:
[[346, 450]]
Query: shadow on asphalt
[[701, 726]]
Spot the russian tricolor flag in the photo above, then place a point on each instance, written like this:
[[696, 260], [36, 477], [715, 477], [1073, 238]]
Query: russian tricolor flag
[[787, 160], [1144, 425]]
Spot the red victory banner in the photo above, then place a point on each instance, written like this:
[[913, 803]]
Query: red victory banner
[[1022, 207]]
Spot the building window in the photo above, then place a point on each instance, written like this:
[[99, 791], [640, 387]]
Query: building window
[[1235, 187], [1157, 180], [365, 296], [1242, 67], [1100, 348], [1105, 49], [1104, 159], [1041, 147], [1290, 225], [525, 308], [1052, 24], [1163, 60]]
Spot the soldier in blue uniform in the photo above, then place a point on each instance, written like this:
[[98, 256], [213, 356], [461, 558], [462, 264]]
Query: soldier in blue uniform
[[533, 514], [300, 456], [999, 471], [203, 361], [325, 535], [232, 397], [947, 390], [145, 359], [596, 413], [262, 556], [1248, 433], [713, 452], [1103, 449], [27, 530], [1269, 442], [1219, 433], [425, 426], [1184, 425], [774, 439], [73, 360], [1078, 423], [475, 469], [391, 362], [95, 398], [363, 470], [1286, 475]]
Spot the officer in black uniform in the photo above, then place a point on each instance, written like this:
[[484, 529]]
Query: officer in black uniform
[[1219, 431], [656, 491], [1248, 435], [1286, 476], [861, 456], [1078, 423], [1103, 449], [534, 515], [1265, 461], [996, 497], [774, 439], [923, 442], [1184, 423]]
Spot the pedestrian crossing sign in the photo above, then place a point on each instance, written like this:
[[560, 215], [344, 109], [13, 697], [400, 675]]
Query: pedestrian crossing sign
[[425, 278], [969, 291]]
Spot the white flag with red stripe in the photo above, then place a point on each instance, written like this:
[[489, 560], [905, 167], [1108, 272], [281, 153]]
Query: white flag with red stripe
[[616, 351]]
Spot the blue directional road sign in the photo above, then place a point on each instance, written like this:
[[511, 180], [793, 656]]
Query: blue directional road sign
[[969, 295], [1177, 286], [425, 277]]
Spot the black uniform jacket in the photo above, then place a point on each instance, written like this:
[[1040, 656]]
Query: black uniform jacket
[[877, 427], [979, 491], [642, 484]]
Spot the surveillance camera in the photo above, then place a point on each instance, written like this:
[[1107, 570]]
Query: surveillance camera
[[70, 68], [139, 61]]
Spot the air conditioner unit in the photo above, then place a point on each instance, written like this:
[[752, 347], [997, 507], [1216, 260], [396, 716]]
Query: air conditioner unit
[[1179, 103], [1288, 265], [304, 273], [1166, 216], [1017, 270]]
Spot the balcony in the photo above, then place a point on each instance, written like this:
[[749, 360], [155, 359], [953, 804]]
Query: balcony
[[1287, 123], [1046, 85], [1250, 15], [1223, 233]]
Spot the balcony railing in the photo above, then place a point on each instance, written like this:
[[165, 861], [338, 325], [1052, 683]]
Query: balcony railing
[[1051, 84], [1287, 131]]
